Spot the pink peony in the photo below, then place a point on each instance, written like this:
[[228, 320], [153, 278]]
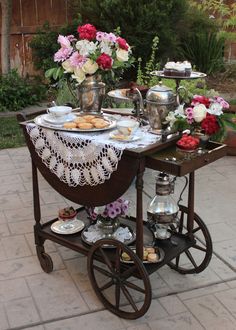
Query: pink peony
[[104, 61], [87, 31], [77, 60], [62, 54]]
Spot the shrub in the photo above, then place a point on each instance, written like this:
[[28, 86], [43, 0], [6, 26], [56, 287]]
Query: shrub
[[17, 93]]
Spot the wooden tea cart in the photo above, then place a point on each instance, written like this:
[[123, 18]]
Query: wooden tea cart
[[124, 288]]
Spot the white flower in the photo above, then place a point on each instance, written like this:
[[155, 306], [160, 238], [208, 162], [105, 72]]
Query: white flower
[[199, 112], [90, 67], [122, 55], [78, 75], [180, 111], [105, 47], [67, 66], [171, 118], [215, 109], [86, 47]]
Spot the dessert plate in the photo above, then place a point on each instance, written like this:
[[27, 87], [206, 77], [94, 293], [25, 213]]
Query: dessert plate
[[58, 120], [67, 227], [115, 135], [160, 256]]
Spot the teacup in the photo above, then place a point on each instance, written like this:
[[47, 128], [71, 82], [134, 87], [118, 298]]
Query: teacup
[[127, 127], [59, 111]]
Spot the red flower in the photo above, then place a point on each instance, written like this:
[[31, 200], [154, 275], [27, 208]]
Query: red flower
[[122, 43], [87, 31], [201, 99], [104, 61], [210, 124]]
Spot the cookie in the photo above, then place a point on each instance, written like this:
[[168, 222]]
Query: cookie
[[152, 257], [79, 120], [101, 124], [150, 249], [84, 125], [88, 118], [69, 125]]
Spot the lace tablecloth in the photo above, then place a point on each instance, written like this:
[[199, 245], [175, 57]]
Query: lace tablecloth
[[82, 158]]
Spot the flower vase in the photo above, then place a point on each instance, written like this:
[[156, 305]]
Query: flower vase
[[91, 93], [108, 226], [203, 139]]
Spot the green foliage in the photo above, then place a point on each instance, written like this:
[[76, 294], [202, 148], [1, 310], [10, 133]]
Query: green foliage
[[206, 51], [139, 22], [44, 44], [17, 93], [11, 135]]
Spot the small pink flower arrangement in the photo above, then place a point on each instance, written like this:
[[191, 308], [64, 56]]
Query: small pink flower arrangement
[[92, 52], [110, 211], [204, 114]]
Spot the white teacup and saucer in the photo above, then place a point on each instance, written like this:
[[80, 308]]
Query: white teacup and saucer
[[126, 129], [59, 114]]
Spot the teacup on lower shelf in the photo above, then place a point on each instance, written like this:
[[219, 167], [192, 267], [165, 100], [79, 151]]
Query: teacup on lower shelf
[[59, 111], [127, 127]]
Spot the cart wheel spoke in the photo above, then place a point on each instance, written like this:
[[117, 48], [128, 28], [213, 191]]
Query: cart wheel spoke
[[129, 298], [198, 247], [128, 272], [117, 295], [189, 255], [102, 271], [134, 286], [195, 230], [201, 251], [106, 259], [106, 286], [113, 284]]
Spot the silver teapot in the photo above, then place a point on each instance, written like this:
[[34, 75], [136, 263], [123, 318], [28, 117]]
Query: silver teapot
[[159, 101]]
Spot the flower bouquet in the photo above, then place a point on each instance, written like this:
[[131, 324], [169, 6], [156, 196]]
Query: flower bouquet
[[92, 52], [203, 116], [107, 215]]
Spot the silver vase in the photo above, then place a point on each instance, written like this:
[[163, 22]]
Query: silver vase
[[91, 93], [108, 226]]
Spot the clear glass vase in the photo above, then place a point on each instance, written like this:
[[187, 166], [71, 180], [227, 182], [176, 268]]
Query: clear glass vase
[[108, 226]]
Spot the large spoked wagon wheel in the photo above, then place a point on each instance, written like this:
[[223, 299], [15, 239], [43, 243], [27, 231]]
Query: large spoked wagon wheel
[[197, 257], [124, 289]]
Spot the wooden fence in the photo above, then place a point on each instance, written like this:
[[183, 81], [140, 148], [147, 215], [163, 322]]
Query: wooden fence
[[27, 17]]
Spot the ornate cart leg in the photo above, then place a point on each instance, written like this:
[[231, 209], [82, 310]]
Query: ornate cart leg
[[124, 289], [197, 257], [44, 259]]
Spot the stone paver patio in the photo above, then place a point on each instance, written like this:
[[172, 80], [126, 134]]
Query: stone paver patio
[[64, 299]]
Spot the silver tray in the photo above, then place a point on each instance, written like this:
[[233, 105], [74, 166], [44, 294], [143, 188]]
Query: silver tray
[[39, 120], [159, 251], [120, 94], [194, 75], [126, 242]]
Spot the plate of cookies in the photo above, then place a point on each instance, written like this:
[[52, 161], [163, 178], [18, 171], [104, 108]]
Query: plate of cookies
[[151, 254], [79, 123]]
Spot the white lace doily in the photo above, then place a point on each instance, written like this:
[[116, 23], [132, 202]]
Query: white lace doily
[[81, 158]]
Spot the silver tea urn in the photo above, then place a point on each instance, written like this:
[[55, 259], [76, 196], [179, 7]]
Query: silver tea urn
[[162, 210]]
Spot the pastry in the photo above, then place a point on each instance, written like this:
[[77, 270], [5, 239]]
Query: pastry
[[152, 257], [145, 255], [101, 124], [69, 125], [79, 120], [150, 249], [125, 256], [178, 69], [88, 118], [67, 213], [84, 125]]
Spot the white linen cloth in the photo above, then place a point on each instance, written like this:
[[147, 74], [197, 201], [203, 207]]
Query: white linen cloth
[[82, 158]]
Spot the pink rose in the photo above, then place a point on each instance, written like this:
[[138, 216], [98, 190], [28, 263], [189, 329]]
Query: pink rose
[[122, 43], [104, 61], [87, 31]]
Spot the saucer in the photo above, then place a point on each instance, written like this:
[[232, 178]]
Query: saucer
[[59, 227], [58, 120], [116, 135]]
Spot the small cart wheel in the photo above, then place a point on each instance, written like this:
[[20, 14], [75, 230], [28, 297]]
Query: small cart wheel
[[44, 259], [197, 257], [123, 288]]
